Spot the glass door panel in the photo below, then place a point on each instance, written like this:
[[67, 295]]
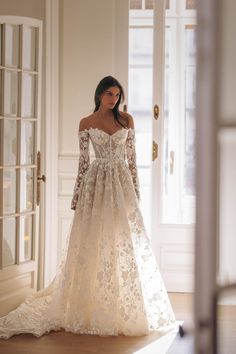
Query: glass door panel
[[9, 241], [9, 191], [28, 95], [19, 55], [191, 4], [140, 46], [10, 93], [26, 232], [29, 48], [20, 101], [178, 195], [140, 105], [10, 142], [135, 4], [26, 188], [12, 45], [189, 122], [169, 173], [27, 142]]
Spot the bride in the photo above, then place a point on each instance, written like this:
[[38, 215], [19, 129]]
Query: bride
[[107, 282]]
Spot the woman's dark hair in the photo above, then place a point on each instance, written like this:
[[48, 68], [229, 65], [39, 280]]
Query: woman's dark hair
[[104, 84]]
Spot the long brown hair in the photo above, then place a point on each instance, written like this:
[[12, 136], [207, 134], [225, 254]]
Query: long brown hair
[[104, 84]]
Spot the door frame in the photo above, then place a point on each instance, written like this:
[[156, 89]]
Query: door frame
[[48, 240], [207, 117]]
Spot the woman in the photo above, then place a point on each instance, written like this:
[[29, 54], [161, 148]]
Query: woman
[[108, 282]]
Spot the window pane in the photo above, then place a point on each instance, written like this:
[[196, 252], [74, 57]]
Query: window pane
[[9, 241], [179, 134], [148, 4], [135, 4], [191, 4], [190, 94], [140, 106], [28, 95], [167, 118], [29, 47], [26, 189], [170, 173], [10, 93], [9, 191], [140, 46], [12, 45], [26, 238], [140, 91], [10, 141], [27, 142]]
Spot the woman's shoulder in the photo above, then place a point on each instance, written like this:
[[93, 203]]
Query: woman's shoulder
[[85, 122], [129, 119]]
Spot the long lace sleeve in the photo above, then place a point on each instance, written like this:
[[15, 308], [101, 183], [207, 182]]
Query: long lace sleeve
[[84, 161], [131, 159]]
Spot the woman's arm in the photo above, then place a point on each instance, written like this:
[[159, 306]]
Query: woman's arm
[[131, 155], [84, 161]]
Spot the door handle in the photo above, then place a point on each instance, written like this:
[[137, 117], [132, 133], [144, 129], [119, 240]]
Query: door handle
[[42, 178], [154, 150], [156, 111], [39, 177]]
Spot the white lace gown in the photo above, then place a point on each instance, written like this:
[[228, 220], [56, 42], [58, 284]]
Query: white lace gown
[[108, 282]]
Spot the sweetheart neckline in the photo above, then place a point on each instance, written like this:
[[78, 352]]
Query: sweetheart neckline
[[101, 130]]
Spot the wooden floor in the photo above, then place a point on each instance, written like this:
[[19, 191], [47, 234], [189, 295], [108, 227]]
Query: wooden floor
[[68, 343]]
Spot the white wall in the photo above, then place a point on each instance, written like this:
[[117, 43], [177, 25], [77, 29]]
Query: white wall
[[27, 8], [86, 33]]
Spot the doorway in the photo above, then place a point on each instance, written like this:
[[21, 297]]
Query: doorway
[[162, 90]]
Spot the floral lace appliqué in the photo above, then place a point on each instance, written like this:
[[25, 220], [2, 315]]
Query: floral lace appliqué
[[84, 161]]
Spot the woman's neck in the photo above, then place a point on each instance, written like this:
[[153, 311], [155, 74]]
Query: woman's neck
[[105, 113]]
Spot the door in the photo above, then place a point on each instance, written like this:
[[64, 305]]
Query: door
[[20, 81], [162, 100]]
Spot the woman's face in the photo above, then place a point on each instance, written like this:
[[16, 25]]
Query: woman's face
[[110, 97]]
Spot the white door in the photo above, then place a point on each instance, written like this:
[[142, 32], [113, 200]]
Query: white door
[[20, 80], [162, 100]]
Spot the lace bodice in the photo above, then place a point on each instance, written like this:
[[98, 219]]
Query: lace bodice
[[119, 146]]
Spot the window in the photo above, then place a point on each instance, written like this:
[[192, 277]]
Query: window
[[178, 151]]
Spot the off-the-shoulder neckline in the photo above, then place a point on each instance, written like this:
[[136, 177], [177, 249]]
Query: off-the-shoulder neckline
[[91, 128]]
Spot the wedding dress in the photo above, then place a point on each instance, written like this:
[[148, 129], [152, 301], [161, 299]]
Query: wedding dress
[[108, 282]]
